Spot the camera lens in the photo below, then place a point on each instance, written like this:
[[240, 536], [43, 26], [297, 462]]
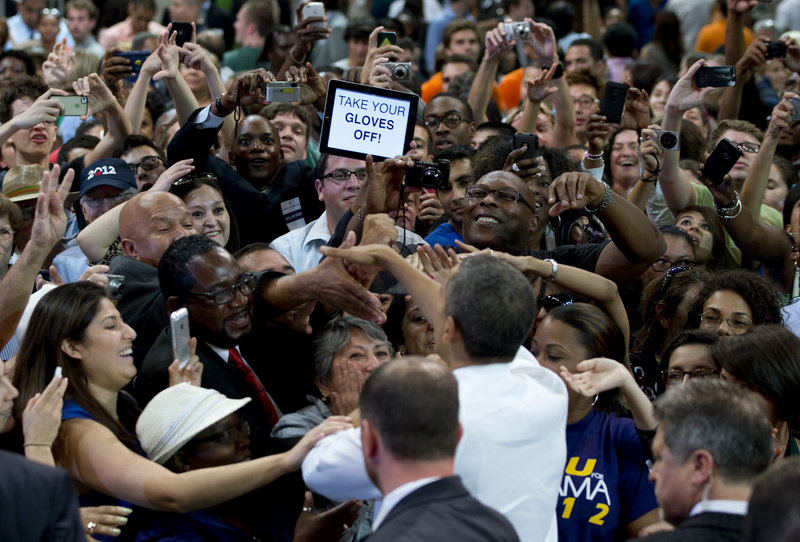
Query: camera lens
[[523, 31], [430, 177], [400, 72], [668, 141]]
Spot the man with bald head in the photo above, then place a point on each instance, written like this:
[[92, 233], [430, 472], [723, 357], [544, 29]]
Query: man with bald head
[[269, 197], [148, 224]]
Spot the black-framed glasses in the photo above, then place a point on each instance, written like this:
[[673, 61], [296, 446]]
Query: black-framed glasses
[[6, 233], [503, 196], [675, 375], [663, 264], [223, 296], [229, 436], [450, 120], [752, 148], [147, 163], [713, 320], [341, 175]]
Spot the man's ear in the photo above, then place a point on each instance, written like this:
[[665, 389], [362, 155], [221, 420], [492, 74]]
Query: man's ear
[[450, 331], [472, 128], [69, 347], [369, 439], [460, 433], [129, 248], [318, 185], [702, 467], [323, 388], [534, 225], [174, 303]]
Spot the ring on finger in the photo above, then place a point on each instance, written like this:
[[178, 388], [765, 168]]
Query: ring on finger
[[90, 527], [515, 167]]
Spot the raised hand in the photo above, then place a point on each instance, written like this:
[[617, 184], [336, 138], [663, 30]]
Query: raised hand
[[636, 114], [597, 132], [312, 87], [169, 54], [42, 416], [686, 95], [172, 174], [99, 95], [538, 88], [595, 376], [45, 109], [59, 64], [497, 42], [543, 41], [191, 373], [348, 383], [50, 221], [437, 262]]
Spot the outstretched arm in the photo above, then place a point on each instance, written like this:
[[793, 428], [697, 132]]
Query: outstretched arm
[[481, 90]]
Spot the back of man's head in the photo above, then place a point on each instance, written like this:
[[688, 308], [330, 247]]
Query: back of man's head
[[774, 510], [493, 305], [721, 418], [412, 403]]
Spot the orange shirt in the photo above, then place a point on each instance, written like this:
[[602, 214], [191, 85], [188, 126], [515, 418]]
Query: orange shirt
[[433, 86], [712, 36]]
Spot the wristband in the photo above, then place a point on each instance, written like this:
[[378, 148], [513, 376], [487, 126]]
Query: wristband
[[603, 204], [37, 444], [590, 156], [218, 105], [554, 272], [649, 180]]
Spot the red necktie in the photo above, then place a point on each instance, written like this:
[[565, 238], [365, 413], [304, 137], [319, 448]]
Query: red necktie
[[259, 393]]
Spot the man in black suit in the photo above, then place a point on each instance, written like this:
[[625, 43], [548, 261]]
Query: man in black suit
[[712, 442], [37, 502], [409, 432]]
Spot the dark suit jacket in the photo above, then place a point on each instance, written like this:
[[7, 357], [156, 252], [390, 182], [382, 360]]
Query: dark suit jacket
[[705, 527], [37, 502], [217, 374], [259, 215], [443, 510]]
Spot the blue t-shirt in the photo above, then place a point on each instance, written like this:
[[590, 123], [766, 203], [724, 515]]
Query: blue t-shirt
[[444, 235], [605, 485]]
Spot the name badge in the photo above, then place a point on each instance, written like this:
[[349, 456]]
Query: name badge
[[293, 214]]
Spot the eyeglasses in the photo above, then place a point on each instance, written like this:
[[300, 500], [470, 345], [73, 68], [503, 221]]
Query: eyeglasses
[[450, 120], [229, 436], [6, 234], [752, 148], [714, 320], [663, 264], [675, 375], [552, 301], [585, 102], [53, 12], [147, 163], [111, 201], [501, 196], [225, 295], [195, 177], [341, 175]]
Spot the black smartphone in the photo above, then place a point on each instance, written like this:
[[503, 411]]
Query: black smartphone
[[136, 59], [184, 31], [715, 76], [387, 38], [532, 140], [721, 161], [796, 103], [613, 102]]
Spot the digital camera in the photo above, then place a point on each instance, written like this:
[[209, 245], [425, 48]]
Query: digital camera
[[518, 31], [431, 175], [669, 141], [401, 71]]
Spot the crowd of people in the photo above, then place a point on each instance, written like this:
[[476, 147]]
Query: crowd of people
[[592, 336]]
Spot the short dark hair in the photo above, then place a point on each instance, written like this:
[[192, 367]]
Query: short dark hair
[[595, 49], [262, 13], [720, 417], [456, 152], [458, 25], [89, 124], [774, 510], [88, 5], [491, 155], [277, 108], [19, 89], [493, 305], [78, 142], [500, 128], [789, 203], [620, 39], [585, 78], [19, 54], [693, 144], [689, 336], [138, 140], [413, 404], [645, 73], [767, 359], [11, 210], [460, 59], [174, 277], [467, 108], [359, 28]]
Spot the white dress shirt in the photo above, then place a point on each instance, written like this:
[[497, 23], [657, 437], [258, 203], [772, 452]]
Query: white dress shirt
[[738, 508], [398, 494], [511, 455], [301, 247]]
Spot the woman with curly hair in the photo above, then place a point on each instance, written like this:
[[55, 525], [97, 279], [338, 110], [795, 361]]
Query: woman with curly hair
[[734, 301]]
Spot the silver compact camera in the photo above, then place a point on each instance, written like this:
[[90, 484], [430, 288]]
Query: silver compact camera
[[283, 91], [401, 71], [518, 31], [669, 141], [115, 285]]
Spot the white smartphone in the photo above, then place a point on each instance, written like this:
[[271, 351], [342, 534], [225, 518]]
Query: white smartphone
[[179, 330], [314, 9]]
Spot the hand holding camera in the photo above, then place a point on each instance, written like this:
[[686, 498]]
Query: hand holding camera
[[687, 93]]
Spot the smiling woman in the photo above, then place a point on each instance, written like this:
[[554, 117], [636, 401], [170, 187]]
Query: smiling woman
[[77, 328], [211, 212]]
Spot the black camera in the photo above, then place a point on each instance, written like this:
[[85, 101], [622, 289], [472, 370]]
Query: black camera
[[432, 175], [776, 49]]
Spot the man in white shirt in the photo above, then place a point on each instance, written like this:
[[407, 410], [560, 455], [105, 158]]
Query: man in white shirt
[[409, 420], [338, 181], [22, 26], [81, 20], [513, 413], [713, 441]]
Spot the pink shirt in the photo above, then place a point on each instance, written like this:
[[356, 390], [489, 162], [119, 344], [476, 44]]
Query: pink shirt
[[123, 32]]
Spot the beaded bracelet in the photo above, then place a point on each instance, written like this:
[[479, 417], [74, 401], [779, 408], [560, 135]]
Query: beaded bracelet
[[589, 156]]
